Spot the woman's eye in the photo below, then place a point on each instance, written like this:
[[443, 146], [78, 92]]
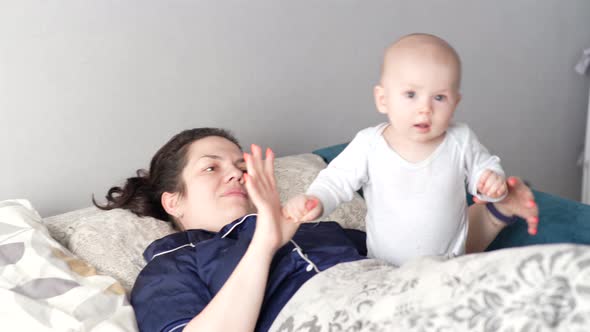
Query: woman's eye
[[410, 94], [440, 97], [209, 169]]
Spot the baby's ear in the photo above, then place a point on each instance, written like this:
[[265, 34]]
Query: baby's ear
[[458, 98], [379, 94]]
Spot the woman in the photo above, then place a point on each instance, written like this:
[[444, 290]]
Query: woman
[[230, 270]]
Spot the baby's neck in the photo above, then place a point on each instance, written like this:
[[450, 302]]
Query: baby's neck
[[409, 150]]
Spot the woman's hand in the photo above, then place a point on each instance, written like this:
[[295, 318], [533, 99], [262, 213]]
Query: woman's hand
[[303, 208], [272, 227], [520, 202]]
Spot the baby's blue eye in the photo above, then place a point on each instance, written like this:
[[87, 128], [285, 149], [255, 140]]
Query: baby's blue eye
[[439, 97], [410, 94]]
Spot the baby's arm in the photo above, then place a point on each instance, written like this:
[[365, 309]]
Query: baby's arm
[[336, 183], [485, 176]]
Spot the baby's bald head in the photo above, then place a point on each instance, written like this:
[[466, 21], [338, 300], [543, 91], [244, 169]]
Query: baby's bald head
[[421, 47]]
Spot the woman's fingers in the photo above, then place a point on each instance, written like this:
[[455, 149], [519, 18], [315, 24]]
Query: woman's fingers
[[255, 164], [254, 160], [525, 198], [270, 166], [533, 224], [313, 210], [478, 201], [251, 179], [260, 175], [520, 201], [298, 206], [256, 151], [311, 204], [249, 164], [512, 181], [251, 189]]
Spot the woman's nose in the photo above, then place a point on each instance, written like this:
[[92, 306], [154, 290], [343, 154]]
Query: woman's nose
[[235, 174]]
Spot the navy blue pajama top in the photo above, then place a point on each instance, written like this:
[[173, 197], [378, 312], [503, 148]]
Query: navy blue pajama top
[[185, 270]]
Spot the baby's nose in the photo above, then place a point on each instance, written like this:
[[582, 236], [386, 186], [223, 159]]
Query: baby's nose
[[426, 108]]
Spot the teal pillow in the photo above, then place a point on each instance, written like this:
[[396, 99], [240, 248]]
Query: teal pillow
[[560, 220], [330, 152]]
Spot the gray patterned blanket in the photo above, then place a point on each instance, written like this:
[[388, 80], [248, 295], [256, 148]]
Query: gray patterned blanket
[[535, 288]]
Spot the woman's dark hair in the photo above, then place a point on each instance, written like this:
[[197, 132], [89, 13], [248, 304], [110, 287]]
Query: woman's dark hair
[[142, 194]]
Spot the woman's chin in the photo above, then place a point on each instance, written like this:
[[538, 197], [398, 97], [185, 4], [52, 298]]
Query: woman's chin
[[238, 212]]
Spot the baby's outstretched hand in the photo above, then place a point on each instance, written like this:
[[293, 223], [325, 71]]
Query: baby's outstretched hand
[[303, 208], [492, 184]]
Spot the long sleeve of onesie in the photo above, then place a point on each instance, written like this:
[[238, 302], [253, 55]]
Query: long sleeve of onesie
[[477, 159], [337, 183]]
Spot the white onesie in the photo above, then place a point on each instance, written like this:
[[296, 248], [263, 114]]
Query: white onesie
[[413, 209]]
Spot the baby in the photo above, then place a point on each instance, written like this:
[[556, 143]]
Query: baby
[[413, 169]]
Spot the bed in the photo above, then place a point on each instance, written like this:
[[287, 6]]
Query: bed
[[74, 271]]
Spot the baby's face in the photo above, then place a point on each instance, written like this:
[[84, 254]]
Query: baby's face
[[419, 95]]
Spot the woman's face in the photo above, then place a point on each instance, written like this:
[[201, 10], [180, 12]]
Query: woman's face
[[215, 194]]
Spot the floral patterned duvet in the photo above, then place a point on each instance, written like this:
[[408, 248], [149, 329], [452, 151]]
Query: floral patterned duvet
[[536, 288]]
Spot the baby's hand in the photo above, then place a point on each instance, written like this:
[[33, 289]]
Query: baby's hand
[[492, 184], [303, 208]]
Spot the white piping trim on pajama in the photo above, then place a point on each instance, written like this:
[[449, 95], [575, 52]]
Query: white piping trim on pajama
[[177, 326], [236, 225], [300, 252], [172, 250]]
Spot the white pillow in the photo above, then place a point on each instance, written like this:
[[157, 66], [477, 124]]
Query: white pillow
[[44, 287], [114, 241]]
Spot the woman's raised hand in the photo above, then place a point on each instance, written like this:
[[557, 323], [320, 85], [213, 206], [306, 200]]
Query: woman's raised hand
[[272, 226]]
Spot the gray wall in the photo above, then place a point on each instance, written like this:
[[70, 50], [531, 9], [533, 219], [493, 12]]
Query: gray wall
[[90, 89]]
